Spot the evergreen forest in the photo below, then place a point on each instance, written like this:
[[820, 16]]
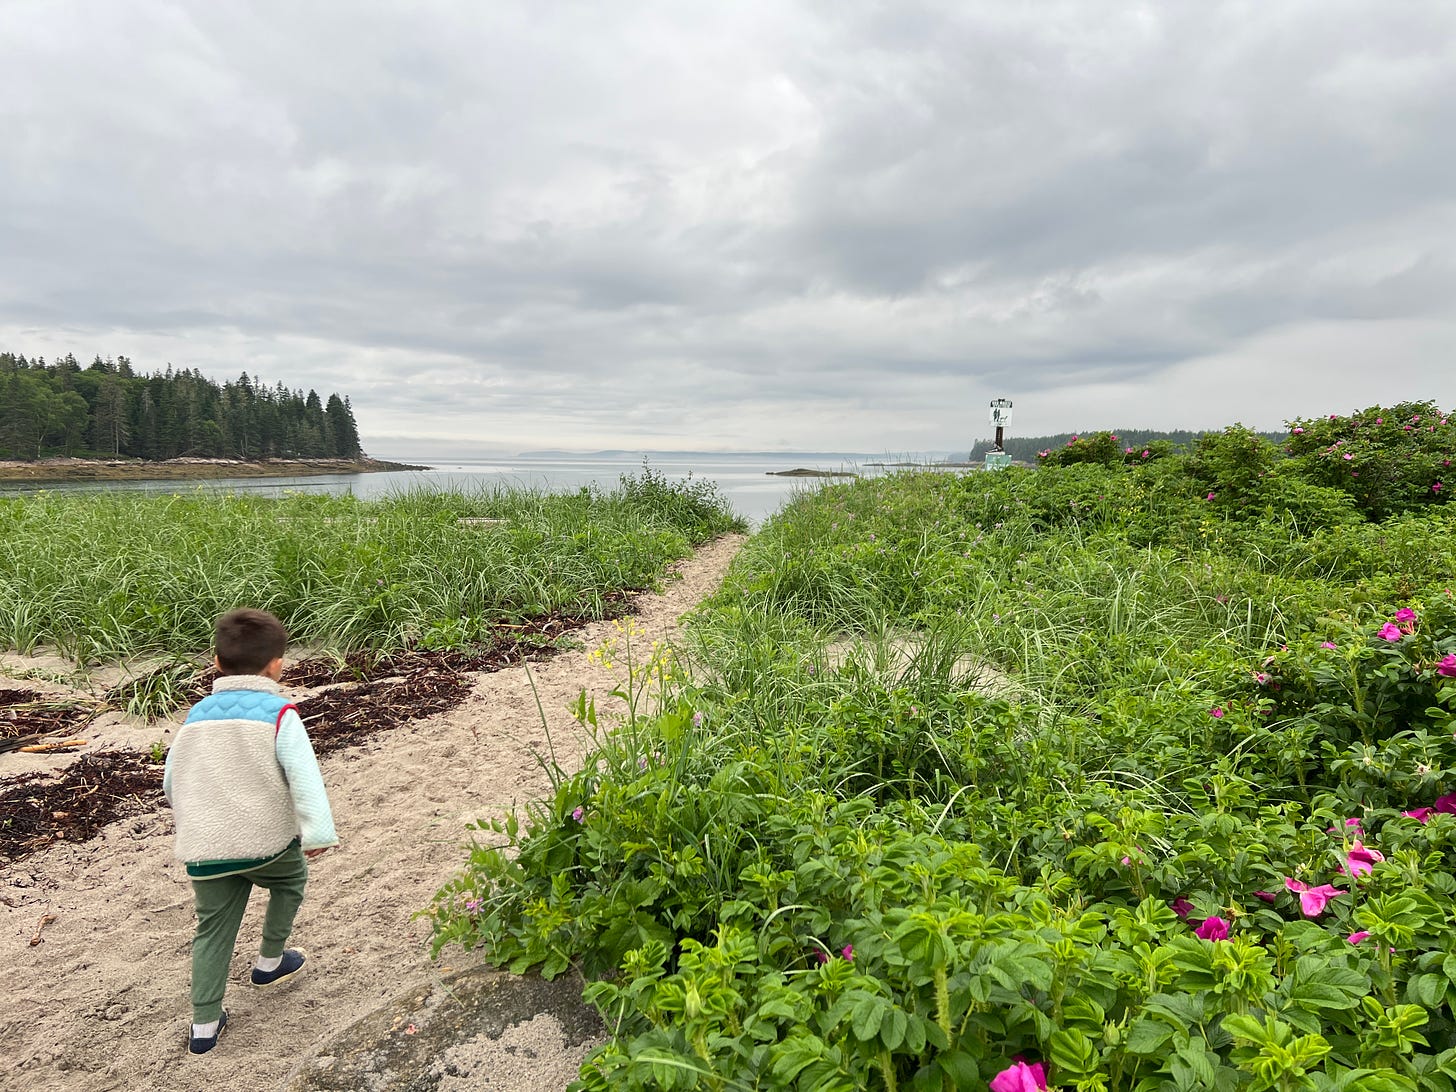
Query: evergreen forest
[[109, 410]]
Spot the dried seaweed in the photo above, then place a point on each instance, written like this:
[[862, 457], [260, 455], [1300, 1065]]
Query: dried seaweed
[[38, 810]]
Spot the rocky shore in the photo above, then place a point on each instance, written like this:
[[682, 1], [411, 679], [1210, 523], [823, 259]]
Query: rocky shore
[[67, 469]]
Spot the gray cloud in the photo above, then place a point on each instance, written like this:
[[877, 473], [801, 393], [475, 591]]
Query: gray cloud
[[809, 225]]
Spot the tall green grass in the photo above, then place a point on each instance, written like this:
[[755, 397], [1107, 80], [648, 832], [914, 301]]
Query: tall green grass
[[105, 576]]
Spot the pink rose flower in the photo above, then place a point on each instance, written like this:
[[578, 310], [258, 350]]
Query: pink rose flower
[[1447, 666], [1215, 712], [1361, 859], [1357, 937], [1267, 896], [1390, 632], [1214, 928], [1020, 1077], [847, 952], [1446, 805], [1181, 906], [1418, 814], [1312, 900], [1405, 614]]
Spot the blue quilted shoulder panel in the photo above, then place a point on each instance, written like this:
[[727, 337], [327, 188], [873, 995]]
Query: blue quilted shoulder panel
[[239, 705]]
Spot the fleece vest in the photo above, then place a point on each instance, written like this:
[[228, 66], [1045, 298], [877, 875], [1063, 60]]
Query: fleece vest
[[229, 793]]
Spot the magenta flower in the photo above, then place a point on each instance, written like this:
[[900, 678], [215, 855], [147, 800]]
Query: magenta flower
[[1420, 815], [698, 718], [1299, 432], [848, 952], [472, 905], [1267, 896], [821, 956], [1020, 1077], [1214, 928], [1328, 644], [1390, 632], [1347, 456], [1312, 900], [1378, 420], [1216, 712], [1181, 906], [1209, 497], [1260, 677], [1361, 859], [1447, 667], [1357, 937], [1405, 614], [578, 813], [1436, 488], [1145, 454], [1446, 805]]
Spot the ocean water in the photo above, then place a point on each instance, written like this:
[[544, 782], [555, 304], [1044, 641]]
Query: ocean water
[[745, 480]]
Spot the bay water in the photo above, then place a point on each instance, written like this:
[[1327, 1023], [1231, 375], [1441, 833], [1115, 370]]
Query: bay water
[[747, 480]]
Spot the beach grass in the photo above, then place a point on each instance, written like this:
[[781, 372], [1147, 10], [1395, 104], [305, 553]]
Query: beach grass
[[105, 576]]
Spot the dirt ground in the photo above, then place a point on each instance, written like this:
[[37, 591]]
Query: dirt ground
[[96, 997]]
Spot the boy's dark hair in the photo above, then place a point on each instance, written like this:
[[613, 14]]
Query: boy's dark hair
[[249, 640]]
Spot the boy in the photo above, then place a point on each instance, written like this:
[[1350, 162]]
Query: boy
[[249, 806]]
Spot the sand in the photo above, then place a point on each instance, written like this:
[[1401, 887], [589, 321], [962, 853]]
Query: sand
[[101, 1003]]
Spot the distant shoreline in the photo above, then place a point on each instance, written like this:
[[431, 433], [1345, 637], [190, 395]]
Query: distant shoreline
[[129, 470]]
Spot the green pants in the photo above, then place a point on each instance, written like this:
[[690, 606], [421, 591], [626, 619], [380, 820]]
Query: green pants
[[220, 906]]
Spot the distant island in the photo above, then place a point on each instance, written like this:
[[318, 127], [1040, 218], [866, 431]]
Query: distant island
[[60, 421], [805, 472]]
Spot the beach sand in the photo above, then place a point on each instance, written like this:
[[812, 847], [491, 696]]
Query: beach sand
[[101, 1002]]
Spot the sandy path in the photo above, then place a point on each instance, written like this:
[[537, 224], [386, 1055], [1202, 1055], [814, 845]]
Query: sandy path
[[102, 1002]]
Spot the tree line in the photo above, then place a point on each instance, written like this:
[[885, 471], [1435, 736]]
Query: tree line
[[109, 410]]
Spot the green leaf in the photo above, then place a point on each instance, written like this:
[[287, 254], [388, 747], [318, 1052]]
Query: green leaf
[[1074, 1053]]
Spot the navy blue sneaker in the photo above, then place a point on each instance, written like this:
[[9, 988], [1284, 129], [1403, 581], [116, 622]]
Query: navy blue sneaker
[[202, 1044], [291, 965]]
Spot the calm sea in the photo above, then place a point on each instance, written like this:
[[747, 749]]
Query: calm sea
[[744, 479]]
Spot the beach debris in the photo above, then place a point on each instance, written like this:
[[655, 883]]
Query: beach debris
[[29, 717], [38, 809], [60, 746], [45, 919]]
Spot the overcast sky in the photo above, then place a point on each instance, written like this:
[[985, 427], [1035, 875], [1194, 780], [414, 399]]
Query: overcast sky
[[751, 225]]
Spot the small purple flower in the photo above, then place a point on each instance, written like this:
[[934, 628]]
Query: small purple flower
[[1181, 906], [1267, 896], [1209, 497], [579, 813], [698, 719], [1328, 644], [1216, 712], [847, 952], [472, 905]]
